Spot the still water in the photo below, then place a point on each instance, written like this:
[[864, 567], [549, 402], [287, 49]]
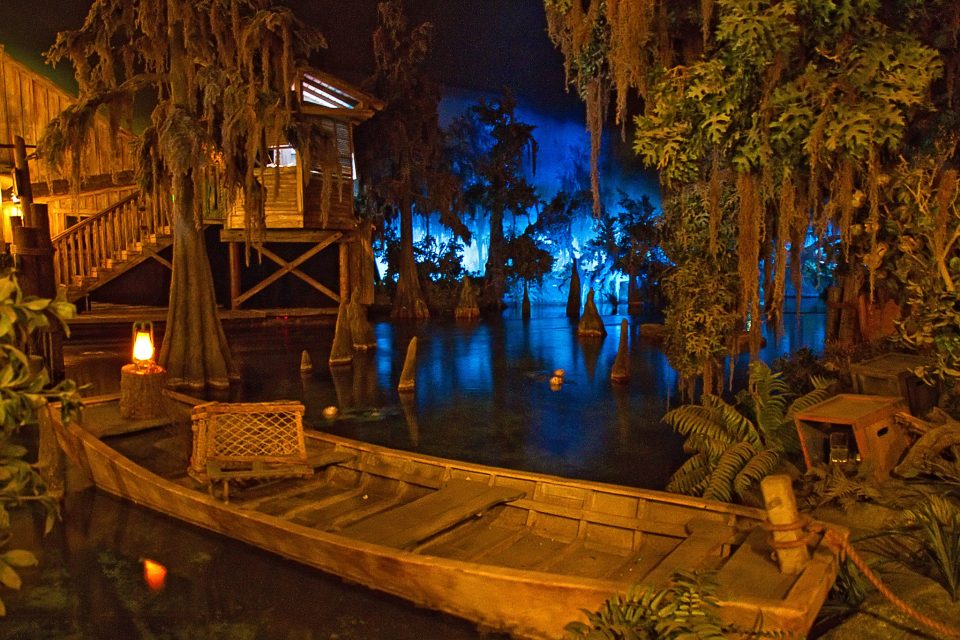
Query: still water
[[482, 395]]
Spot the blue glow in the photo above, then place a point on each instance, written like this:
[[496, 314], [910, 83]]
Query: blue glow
[[562, 144]]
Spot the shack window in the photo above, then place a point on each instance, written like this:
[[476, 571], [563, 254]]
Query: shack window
[[282, 157]]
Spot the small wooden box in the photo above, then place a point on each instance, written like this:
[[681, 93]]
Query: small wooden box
[[864, 421], [891, 374]]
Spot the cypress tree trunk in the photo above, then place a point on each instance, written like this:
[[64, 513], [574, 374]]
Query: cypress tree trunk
[[496, 276], [525, 305], [409, 302], [195, 352]]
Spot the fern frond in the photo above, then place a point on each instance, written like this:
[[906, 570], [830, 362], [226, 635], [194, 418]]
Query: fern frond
[[807, 400], [768, 395], [731, 462], [704, 420], [689, 478], [756, 469], [736, 425], [702, 443]]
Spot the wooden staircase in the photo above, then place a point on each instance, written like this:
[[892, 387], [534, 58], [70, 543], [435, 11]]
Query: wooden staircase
[[98, 249]]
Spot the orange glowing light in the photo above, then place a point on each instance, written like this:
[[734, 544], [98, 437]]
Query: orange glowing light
[[154, 574], [142, 344]]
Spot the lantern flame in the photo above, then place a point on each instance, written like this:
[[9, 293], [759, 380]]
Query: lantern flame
[[142, 348]]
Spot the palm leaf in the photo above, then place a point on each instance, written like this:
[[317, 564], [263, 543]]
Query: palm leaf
[[756, 469], [720, 486]]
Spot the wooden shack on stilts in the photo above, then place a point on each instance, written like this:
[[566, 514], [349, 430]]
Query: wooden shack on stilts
[[309, 202]]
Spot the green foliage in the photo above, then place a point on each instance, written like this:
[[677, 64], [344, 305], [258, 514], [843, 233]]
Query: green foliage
[[799, 368], [701, 317], [824, 485], [685, 609], [925, 260], [849, 591], [23, 391], [734, 447], [928, 538]]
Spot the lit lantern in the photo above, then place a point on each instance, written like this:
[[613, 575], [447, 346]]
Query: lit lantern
[[143, 344], [154, 574]]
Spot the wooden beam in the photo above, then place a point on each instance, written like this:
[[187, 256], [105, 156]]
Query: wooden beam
[[353, 115], [156, 256], [291, 268], [282, 235], [88, 184]]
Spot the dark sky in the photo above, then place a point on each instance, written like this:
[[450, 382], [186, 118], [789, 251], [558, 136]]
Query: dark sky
[[478, 44]]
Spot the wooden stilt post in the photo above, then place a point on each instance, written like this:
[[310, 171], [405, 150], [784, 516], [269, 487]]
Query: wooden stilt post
[[344, 270], [789, 538], [234, 253], [24, 190]]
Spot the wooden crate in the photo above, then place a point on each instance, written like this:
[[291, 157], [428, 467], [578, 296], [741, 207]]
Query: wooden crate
[[865, 421], [891, 374]]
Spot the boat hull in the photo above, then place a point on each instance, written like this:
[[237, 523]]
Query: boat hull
[[526, 604]]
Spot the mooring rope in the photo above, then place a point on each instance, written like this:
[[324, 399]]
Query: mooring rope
[[843, 546]]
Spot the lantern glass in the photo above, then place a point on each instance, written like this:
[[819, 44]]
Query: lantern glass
[[143, 344]]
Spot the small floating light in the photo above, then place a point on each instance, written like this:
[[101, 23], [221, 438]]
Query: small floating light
[[154, 574], [143, 344]]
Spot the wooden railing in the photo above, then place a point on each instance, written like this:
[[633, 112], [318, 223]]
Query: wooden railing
[[104, 239]]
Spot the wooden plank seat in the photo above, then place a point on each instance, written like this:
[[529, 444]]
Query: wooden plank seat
[[705, 538], [407, 525], [247, 440]]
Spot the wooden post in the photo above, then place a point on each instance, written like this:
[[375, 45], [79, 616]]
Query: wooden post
[[34, 260], [22, 174], [234, 254], [344, 270], [788, 534]]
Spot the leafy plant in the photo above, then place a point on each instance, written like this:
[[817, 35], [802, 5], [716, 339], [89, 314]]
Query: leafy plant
[[929, 536], [849, 591], [23, 390], [687, 608], [734, 447], [826, 484]]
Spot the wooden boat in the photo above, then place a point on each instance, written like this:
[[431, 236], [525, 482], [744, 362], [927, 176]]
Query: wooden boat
[[513, 551]]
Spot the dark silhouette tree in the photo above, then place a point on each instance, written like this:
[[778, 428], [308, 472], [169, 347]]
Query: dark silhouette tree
[[403, 163], [220, 73], [493, 177]]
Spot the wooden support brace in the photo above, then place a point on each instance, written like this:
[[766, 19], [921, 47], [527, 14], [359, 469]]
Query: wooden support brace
[[291, 268]]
